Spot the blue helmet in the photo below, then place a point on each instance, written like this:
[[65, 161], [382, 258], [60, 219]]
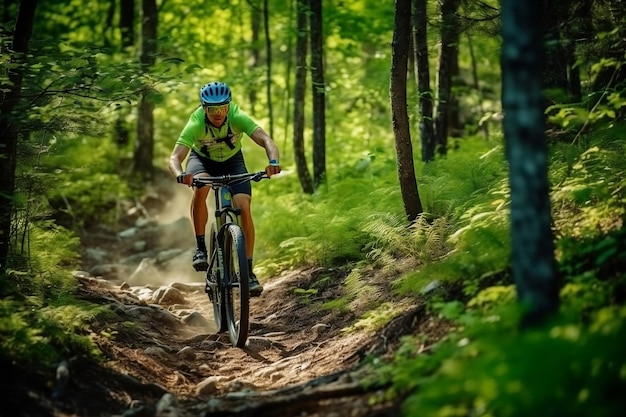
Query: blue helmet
[[215, 94]]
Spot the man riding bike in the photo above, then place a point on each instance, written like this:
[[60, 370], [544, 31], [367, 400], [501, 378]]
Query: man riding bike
[[212, 139]]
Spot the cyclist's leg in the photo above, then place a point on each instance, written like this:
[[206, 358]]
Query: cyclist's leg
[[198, 212], [242, 202], [242, 196]]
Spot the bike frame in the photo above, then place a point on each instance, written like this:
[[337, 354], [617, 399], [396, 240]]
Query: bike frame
[[228, 259], [224, 213]]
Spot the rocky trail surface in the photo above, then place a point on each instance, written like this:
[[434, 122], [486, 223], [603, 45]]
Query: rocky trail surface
[[163, 358]]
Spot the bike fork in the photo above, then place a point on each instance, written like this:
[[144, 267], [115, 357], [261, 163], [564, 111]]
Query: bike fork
[[211, 283]]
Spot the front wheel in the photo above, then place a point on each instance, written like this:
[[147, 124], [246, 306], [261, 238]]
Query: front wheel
[[236, 290]]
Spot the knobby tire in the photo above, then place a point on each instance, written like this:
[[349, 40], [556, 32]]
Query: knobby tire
[[237, 291]]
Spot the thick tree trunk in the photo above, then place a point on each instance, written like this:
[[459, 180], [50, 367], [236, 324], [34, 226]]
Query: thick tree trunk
[[299, 97], [422, 73], [144, 146], [399, 114], [9, 124], [319, 93], [531, 233], [448, 49]]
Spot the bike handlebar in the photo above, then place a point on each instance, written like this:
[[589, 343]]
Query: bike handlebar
[[231, 179]]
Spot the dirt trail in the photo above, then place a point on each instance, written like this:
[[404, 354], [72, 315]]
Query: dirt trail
[[299, 359]]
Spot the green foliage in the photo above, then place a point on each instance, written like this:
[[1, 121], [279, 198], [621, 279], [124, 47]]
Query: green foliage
[[465, 236], [600, 107], [54, 250], [20, 339], [571, 366], [33, 335], [598, 256], [62, 256], [326, 227], [590, 198], [564, 369], [305, 294], [39, 322], [377, 317], [89, 190]]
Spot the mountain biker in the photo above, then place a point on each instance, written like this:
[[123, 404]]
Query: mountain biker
[[214, 134]]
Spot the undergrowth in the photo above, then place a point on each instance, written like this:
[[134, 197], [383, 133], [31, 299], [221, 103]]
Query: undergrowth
[[41, 322], [573, 365]]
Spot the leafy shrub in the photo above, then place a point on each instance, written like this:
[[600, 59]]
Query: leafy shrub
[[39, 336], [590, 199], [326, 227], [491, 368], [564, 369]]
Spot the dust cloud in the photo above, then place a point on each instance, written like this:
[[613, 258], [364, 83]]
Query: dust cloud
[[176, 232]]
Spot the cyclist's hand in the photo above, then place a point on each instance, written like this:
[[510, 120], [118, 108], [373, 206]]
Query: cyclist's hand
[[184, 178], [272, 168]]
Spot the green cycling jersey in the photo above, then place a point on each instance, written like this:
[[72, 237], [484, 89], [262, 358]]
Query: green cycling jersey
[[207, 140]]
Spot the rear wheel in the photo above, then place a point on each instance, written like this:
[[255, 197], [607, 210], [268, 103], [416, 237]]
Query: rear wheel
[[214, 284], [236, 292]]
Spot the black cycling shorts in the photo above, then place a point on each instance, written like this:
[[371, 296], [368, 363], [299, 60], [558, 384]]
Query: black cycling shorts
[[197, 164]]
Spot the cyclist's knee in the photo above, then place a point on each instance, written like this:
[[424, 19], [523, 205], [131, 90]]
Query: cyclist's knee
[[202, 192], [242, 201]]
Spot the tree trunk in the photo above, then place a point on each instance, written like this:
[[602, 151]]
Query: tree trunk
[[144, 146], [455, 127], [531, 233], [581, 27], [9, 124], [399, 114], [555, 84], [127, 30], [268, 53], [319, 93], [476, 84], [422, 74], [444, 86], [127, 22], [255, 54], [299, 98]]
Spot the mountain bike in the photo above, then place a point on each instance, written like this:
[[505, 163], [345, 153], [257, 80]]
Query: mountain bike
[[227, 274]]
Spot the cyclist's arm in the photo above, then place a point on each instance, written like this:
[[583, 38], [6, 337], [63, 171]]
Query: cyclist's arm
[[176, 159], [263, 139]]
